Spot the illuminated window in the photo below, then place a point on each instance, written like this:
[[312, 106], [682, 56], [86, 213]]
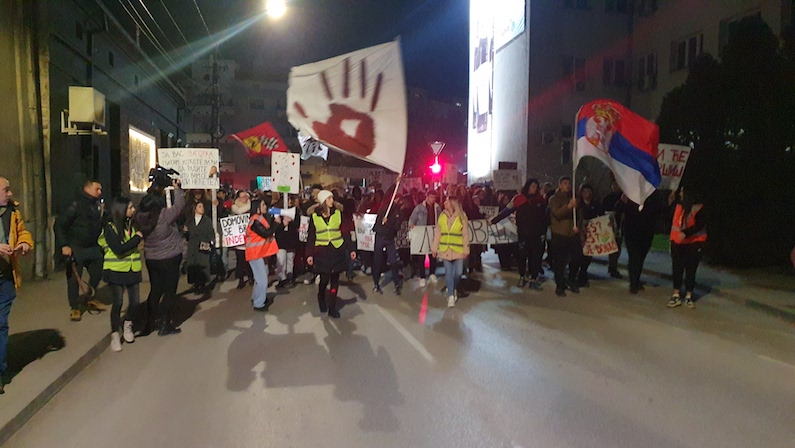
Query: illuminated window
[[143, 156]]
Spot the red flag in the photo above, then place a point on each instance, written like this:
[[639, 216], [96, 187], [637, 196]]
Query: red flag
[[261, 140]]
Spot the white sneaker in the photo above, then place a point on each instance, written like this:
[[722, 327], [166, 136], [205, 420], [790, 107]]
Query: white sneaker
[[422, 283], [128, 335], [450, 301], [115, 341], [308, 281], [317, 279], [433, 278]]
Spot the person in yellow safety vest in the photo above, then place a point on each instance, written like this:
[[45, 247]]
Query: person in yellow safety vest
[[328, 250], [688, 239], [261, 244], [122, 268], [15, 240], [451, 245]]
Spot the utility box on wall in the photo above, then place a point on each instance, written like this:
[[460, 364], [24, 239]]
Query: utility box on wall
[[86, 105]]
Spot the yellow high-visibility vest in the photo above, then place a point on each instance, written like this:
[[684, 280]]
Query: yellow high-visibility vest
[[131, 261], [452, 237], [328, 233]]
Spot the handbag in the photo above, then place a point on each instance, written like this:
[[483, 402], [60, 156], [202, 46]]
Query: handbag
[[205, 247]]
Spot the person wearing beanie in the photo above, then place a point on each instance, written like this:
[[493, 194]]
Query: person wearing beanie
[[328, 249]]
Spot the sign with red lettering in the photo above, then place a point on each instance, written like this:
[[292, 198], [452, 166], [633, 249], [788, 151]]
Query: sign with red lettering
[[672, 160], [599, 237], [233, 230]]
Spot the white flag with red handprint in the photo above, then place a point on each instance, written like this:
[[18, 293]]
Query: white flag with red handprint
[[355, 103]]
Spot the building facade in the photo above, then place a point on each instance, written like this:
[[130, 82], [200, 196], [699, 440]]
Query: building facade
[[631, 51], [55, 45]]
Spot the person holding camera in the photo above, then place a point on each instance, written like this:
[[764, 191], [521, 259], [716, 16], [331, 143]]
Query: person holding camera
[[76, 234], [163, 244], [119, 241]]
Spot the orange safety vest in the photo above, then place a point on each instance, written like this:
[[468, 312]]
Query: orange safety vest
[[256, 246], [679, 224]]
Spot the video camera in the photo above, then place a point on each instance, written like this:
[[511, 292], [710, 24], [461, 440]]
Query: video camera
[[161, 177]]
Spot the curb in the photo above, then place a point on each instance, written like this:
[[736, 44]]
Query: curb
[[788, 316], [14, 425]]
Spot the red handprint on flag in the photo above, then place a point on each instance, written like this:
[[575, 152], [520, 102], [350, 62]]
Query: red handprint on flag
[[362, 142]]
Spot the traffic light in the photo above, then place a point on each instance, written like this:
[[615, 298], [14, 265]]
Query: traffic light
[[436, 168]]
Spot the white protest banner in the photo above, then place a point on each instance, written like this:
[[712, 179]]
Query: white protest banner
[[421, 239], [197, 167], [482, 232], [489, 212], [409, 183], [672, 160], [450, 174], [402, 237], [365, 236], [507, 180], [233, 230], [264, 183], [303, 229], [599, 237], [285, 172]]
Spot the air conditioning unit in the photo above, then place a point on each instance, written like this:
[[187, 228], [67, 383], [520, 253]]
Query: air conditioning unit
[[547, 138], [86, 114]]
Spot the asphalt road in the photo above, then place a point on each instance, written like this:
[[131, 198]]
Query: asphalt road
[[505, 368]]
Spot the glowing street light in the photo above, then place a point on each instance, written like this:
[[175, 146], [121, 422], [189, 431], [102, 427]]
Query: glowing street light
[[276, 8], [436, 168]]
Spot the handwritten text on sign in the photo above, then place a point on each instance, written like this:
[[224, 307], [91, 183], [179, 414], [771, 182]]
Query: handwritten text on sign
[[233, 230], [672, 160], [365, 236], [303, 229], [197, 167], [599, 237], [480, 232]]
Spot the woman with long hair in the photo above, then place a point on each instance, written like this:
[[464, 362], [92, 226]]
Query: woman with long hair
[[241, 206], [688, 239], [328, 249], [260, 245], [451, 245], [122, 265], [163, 244], [200, 243]]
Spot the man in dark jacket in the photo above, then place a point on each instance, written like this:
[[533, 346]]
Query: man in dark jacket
[[76, 233], [609, 205], [639, 227], [386, 229]]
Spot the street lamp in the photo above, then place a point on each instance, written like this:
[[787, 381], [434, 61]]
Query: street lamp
[[276, 8]]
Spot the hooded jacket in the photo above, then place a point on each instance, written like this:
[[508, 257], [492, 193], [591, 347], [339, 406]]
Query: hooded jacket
[[561, 217], [80, 225]]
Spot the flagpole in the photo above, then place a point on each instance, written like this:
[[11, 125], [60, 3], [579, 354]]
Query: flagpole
[[394, 193]]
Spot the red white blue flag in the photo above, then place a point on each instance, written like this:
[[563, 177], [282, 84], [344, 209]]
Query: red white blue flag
[[624, 141]]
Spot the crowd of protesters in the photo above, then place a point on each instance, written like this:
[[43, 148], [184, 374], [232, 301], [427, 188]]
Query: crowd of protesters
[[179, 237]]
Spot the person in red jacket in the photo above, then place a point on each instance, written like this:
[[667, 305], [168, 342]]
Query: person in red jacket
[[688, 238]]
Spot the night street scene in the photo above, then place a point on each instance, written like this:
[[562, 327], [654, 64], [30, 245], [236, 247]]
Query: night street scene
[[397, 223]]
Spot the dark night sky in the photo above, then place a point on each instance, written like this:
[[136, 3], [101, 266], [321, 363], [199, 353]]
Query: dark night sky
[[434, 33]]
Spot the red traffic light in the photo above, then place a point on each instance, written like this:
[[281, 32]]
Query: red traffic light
[[436, 168]]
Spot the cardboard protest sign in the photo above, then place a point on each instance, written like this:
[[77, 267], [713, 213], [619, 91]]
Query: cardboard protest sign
[[482, 232], [489, 212], [672, 160], [264, 183], [285, 172], [450, 174], [599, 237], [510, 180], [197, 167], [303, 229], [421, 238], [402, 237], [233, 230], [365, 236]]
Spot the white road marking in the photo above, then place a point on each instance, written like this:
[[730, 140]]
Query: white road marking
[[776, 361], [407, 335]]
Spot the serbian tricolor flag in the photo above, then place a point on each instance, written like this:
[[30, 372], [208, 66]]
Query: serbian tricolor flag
[[624, 141], [261, 140]]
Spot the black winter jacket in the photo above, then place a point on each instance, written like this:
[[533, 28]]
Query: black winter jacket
[[80, 225]]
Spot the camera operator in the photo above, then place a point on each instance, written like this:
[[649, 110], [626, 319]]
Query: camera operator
[[76, 233], [163, 246]]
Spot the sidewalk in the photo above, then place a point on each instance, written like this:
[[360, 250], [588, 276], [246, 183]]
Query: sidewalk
[[760, 290]]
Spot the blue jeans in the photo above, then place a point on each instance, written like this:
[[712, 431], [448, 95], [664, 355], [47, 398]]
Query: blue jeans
[[7, 296], [260, 269], [453, 270]]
